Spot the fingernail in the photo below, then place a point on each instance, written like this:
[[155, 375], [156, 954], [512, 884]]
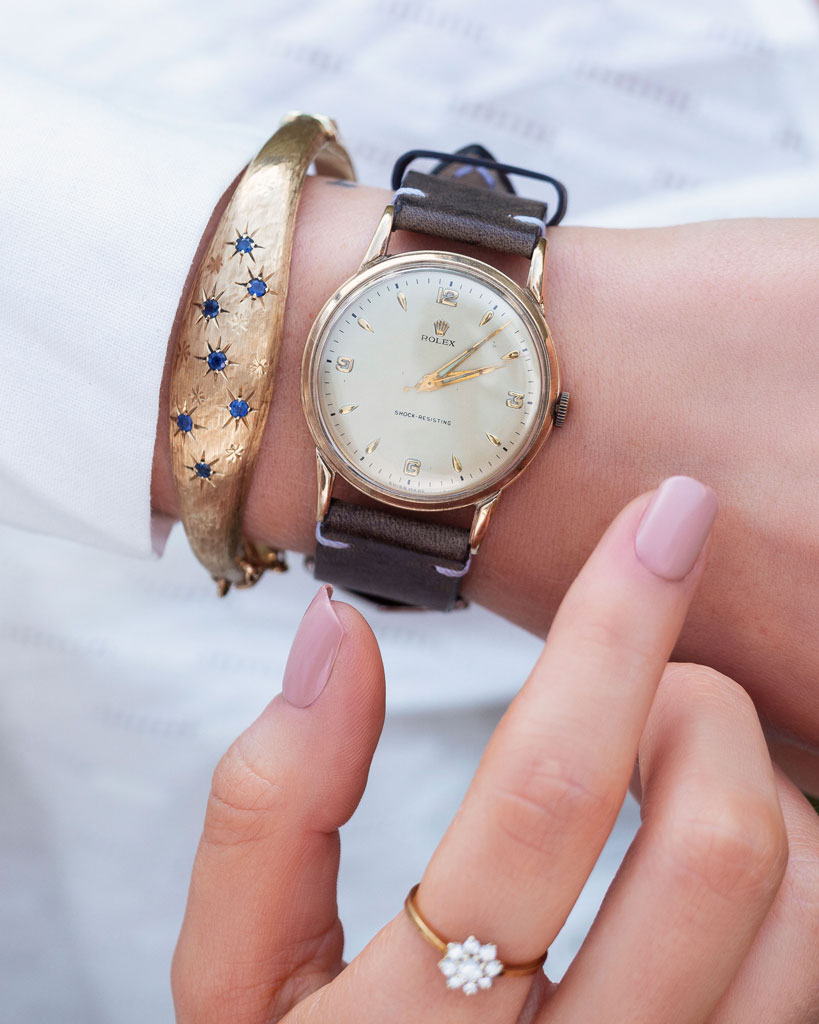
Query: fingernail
[[314, 651], [675, 526]]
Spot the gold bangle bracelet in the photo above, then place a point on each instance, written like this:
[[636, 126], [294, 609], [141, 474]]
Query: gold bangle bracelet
[[227, 349]]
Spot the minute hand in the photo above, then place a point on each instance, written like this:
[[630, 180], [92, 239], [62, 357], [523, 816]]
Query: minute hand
[[467, 352]]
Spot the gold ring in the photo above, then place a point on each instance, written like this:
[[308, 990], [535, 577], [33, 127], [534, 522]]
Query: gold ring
[[469, 965]]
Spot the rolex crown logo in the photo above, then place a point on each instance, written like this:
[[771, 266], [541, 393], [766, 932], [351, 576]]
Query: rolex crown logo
[[441, 327]]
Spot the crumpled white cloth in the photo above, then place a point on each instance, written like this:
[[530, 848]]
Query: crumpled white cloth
[[122, 680]]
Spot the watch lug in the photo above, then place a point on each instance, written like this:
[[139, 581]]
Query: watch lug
[[325, 478], [377, 248], [480, 521], [537, 272]]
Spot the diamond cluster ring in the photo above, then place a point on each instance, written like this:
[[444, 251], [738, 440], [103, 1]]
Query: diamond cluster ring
[[469, 965]]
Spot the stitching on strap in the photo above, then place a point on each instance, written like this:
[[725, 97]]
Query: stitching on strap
[[405, 190], [487, 176], [326, 542], [454, 573], [536, 221]]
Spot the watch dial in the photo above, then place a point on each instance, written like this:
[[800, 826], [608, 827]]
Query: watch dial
[[429, 381]]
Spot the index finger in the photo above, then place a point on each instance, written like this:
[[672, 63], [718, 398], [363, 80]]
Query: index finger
[[555, 772]]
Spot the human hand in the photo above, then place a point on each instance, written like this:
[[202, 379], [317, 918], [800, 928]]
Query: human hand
[[708, 920]]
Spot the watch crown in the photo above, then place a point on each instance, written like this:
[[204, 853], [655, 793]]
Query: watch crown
[[560, 408]]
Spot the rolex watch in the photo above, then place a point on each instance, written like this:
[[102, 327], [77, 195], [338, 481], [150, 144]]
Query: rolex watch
[[430, 381]]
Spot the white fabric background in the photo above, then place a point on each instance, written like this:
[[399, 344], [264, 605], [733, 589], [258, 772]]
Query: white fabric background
[[122, 680]]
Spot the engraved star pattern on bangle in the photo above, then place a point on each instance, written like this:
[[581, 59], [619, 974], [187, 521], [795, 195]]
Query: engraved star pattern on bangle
[[217, 358], [210, 306], [213, 266], [239, 409], [234, 452], [203, 471], [183, 421], [256, 287], [244, 244], [182, 352]]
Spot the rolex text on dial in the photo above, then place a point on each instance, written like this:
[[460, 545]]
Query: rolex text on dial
[[428, 379]]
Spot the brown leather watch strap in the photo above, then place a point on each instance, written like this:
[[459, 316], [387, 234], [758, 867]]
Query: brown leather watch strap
[[447, 207], [392, 558]]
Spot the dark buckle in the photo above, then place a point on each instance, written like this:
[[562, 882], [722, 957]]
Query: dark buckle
[[403, 162]]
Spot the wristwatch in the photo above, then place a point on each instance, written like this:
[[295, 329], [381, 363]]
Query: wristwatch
[[430, 381]]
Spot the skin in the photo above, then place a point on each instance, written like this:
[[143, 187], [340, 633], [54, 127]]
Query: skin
[[664, 338], [712, 919]]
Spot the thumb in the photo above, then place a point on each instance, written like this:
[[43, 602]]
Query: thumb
[[261, 928]]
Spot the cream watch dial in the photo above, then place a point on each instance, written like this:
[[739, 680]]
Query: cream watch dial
[[430, 381]]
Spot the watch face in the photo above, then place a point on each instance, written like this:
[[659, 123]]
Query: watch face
[[427, 379]]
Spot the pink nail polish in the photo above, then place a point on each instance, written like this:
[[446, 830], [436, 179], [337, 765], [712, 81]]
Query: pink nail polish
[[675, 526], [314, 651]]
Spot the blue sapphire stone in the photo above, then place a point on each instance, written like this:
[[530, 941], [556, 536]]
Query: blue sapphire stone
[[239, 408], [256, 288], [203, 470], [184, 422], [217, 360], [244, 243], [210, 308]]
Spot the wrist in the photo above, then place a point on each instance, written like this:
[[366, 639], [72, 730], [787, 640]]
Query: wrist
[[558, 495], [664, 339]]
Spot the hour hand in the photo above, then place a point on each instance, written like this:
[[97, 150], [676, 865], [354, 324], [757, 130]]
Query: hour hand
[[433, 383], [456, 378]]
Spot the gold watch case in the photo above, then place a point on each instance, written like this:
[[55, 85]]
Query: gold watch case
[[528, 302]]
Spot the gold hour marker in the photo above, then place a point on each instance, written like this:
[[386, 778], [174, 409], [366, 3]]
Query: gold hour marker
[[486, 317], [403, 300], [456, 463], [372, 446], [511, 355], [447, 297], [493, 439], [349, 408], [365, 324]]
